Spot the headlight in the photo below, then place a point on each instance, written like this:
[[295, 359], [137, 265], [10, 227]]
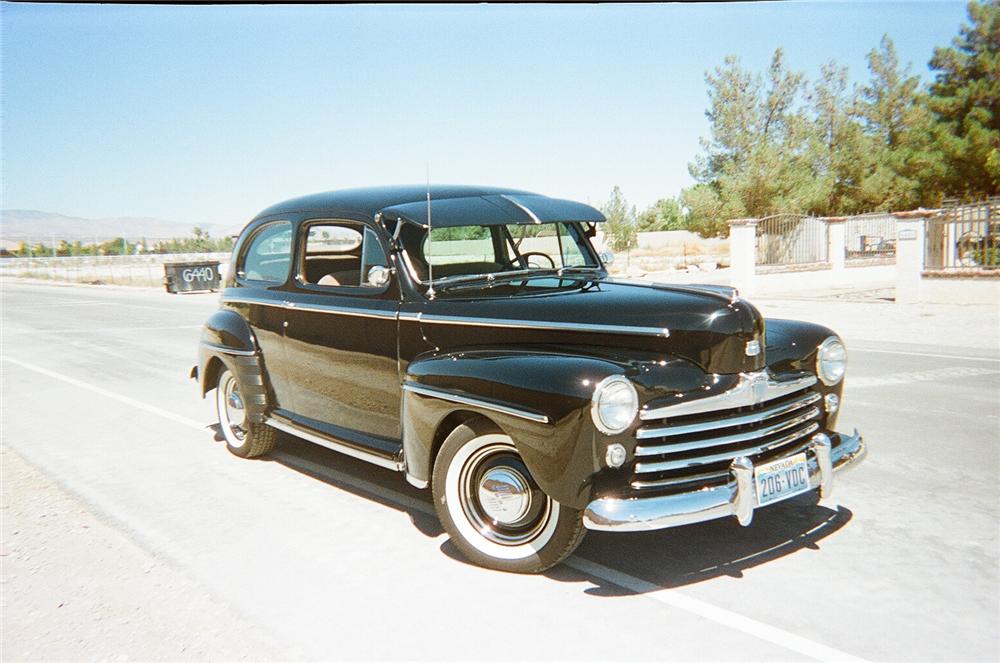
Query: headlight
[[831, 361], [614, 404]]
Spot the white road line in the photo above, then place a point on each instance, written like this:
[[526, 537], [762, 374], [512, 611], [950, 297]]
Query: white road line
[[669, 597], [191, 423], [98, 330], [922, 354], [151, 308], [676, 599], [61, 303], [929, 375]]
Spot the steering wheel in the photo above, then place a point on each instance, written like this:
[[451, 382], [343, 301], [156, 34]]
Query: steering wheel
[[538, 254]]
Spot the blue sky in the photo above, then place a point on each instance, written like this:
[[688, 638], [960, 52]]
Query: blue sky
[[208, 114]]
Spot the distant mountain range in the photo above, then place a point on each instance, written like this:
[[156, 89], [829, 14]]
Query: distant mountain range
[[19, 224]]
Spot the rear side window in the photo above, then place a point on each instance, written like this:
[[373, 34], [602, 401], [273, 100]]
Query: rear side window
[[341, 253], [269, 255]]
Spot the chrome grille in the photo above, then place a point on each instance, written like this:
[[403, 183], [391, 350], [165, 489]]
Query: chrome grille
[[698, 448]]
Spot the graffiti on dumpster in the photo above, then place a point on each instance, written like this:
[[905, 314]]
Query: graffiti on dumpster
[[198, 274]]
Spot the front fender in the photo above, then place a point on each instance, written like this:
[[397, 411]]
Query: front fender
[[791, 346], [540, 397]]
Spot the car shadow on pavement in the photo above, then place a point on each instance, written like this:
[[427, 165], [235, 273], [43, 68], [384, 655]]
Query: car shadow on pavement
[[666, 558], [681, 556], [353, 476]]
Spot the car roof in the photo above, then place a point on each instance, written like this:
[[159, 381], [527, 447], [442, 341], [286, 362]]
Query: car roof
[[371, 200]]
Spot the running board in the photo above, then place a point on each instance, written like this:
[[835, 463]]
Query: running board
[[336, 445]]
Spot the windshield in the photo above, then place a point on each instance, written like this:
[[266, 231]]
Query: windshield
[[465, 253]]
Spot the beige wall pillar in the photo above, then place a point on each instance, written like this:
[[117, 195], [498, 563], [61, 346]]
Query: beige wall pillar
[[743, 255], [836, 248], [909, 259]]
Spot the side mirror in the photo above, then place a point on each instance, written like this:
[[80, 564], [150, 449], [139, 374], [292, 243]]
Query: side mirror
[[607, 257], [378, 276]]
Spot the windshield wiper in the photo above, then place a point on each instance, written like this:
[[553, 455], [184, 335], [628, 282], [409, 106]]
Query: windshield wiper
[[492, 279]]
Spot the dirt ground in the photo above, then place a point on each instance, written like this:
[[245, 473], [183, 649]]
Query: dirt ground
[[75, 588]]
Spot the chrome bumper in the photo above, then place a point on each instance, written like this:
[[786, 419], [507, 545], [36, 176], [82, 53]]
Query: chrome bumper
[[736, 498]]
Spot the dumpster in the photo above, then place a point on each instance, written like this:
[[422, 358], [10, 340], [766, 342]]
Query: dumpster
[[191, 276]]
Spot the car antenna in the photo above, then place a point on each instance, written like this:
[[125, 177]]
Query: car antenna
[[430, 267]]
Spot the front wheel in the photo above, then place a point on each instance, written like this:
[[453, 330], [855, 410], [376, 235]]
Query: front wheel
[[243, 437], [492, 508]]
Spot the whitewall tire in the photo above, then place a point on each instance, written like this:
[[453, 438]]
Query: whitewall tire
[[243, 437], [492, 508]]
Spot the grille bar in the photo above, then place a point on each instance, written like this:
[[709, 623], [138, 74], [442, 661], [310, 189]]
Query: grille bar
[[678, 447], [642, 468], [756, 417], [707, 477], [676, 481]]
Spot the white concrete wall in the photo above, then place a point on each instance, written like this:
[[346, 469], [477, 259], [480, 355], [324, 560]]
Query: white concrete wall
[[960, 291], [828, 281]]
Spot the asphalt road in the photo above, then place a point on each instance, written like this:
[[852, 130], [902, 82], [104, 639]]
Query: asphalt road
[[335, 559]]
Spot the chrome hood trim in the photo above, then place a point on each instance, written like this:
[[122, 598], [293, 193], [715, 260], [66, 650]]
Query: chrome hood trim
[[552, 325], [752, 388]]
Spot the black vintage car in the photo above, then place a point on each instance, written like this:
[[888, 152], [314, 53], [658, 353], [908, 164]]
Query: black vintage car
[[471, 338]]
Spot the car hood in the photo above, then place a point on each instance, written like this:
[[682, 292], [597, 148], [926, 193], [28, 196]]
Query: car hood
[[706, 325]]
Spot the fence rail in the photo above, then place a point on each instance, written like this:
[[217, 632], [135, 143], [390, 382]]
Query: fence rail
[[791, 239], [964, 237], [140, 270]]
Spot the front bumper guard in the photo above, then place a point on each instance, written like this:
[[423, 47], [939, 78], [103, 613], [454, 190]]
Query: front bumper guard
[[736, 498]]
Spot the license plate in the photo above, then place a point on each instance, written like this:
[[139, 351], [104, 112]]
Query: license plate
[[781, 479]]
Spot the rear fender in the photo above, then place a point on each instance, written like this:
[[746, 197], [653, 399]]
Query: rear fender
[[227, 341]]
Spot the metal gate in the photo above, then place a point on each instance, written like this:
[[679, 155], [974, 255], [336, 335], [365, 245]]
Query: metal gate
[[870, 236], [964, 237], [791, 239]]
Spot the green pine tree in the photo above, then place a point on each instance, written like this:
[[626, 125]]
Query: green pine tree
[[965, 101], [621, 229]]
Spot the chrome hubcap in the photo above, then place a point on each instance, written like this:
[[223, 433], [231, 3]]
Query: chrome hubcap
[[499, 498], [504, 495]]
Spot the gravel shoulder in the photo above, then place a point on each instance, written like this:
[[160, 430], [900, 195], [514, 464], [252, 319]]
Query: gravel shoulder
[[75, 588]]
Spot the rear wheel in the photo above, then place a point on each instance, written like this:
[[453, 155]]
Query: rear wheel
[[492, 508], [244, 438]]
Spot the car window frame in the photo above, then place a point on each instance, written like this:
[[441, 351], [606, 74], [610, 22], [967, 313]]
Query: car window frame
[[248, 243], [298, 279]]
